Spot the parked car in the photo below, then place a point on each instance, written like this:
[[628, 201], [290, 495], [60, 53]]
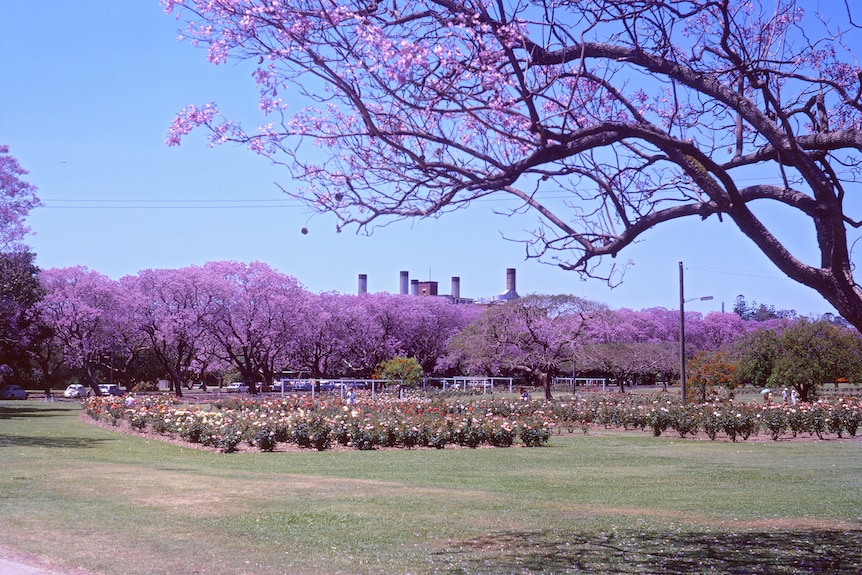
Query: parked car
[[110, 389], [303, 385], [237, 387], [76, 390], [281, 386], [13, 392]]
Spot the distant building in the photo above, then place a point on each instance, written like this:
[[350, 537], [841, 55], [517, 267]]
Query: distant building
[[431, 288]]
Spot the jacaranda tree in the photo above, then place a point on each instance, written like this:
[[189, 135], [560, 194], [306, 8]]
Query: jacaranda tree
[[20, 327], [633, 112], [88, 316], [171, 306], [19, 287], [17, 198], [531, 336], [254, 317]]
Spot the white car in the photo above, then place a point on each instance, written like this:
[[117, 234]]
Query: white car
[[76, 390], [237, 387]]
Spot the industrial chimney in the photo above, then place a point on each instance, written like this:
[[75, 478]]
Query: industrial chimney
[[510, 292], [363, 284]]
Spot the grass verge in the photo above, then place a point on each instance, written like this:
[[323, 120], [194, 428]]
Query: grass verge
[[77, 496]]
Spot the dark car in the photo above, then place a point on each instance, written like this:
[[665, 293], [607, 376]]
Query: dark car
[[13, 392], [110, 389], [281, 386]]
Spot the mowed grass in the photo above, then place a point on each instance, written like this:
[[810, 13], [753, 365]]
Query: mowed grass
[[78, 496]]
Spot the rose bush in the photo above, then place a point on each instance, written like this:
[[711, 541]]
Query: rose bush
[[318, 423]]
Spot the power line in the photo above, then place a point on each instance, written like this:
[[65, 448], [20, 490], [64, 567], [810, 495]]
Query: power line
[[741, 273], [89, 204]]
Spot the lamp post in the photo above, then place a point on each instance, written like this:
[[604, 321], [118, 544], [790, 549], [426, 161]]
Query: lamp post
[[682, 302], [574, 373]]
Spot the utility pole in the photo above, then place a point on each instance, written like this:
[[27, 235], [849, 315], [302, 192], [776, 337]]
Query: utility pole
[[682, 302]]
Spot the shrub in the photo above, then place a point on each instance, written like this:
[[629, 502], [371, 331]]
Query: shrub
[[850, 416], [796, 420], [228, 439], [775, 421], [137, 419], [817, 419], [264, 439], [192, 429], [468, 434], [364, 437], [161, 423], [438, 438], [683, 420], [341, 432], [502, 435], [659, 420], [413, 436], [312, 432], [93, 407], [534, 433], [710, 421]]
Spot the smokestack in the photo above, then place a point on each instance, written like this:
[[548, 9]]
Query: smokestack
[[405, 283], [456, 287], [363, 284], [510, 279], [414, 287]]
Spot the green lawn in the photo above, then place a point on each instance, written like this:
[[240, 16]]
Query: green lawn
[[80, 496]]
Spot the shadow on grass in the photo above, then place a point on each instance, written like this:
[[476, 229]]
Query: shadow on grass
[[675, 553], [25, 411], [51, 442]]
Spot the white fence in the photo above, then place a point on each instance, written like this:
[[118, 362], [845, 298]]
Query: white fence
[[468, 383], [583, 382], [343, 386]]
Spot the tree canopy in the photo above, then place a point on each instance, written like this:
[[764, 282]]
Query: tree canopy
[[17, 198], [190, 323], [199, 322], [531, 336], [20, 293], [804, 355], [605, 118]]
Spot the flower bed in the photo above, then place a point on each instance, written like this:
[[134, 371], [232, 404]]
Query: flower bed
[[435, 423], [320, 424], [734, 421]]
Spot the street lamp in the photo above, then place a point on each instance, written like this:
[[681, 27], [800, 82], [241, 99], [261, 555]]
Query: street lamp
[[682, 302]]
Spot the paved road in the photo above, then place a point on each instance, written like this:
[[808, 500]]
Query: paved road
[[8, 567]]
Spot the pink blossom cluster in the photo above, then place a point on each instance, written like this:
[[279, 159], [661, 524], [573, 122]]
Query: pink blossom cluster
[[17, 198]]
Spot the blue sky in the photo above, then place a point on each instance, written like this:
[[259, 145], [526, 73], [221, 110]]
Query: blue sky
[[87, 92]]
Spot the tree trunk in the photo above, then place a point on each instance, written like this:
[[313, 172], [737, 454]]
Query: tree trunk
[[91, 380], [176, 382], [544, 379]]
